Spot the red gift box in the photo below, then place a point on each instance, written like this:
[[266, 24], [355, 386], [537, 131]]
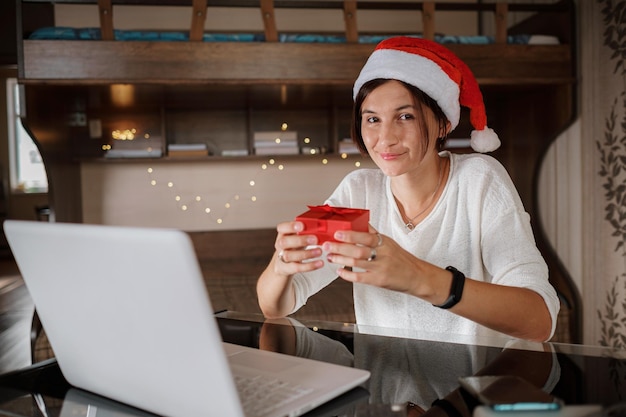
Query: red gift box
[[324, 221]]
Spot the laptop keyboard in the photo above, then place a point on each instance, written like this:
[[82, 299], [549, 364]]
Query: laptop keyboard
[[261, 394]]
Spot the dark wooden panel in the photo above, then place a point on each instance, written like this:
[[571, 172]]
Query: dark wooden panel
[[183, 62], [191, 62], [234, 244]]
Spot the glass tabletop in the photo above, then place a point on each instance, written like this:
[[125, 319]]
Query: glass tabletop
[[409, 372]]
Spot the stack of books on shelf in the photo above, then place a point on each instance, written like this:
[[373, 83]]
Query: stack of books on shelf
[[348, 147], [276, 143], [234, 152], [136, 148], [187, 149], [134, 153]]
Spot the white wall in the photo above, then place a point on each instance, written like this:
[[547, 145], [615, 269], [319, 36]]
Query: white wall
[[232, 19], [121, 193]]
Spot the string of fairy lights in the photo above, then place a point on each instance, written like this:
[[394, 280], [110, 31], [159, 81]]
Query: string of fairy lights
[[218, 211]]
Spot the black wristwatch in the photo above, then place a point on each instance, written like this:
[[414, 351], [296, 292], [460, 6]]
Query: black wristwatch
[[456, 289]]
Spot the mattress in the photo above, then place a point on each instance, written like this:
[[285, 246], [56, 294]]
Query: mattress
[[68, 33]]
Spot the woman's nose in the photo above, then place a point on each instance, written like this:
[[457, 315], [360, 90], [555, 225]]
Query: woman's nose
[[387, 134]]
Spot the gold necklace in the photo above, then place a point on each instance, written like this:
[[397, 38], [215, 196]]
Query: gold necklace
[[409, 224]]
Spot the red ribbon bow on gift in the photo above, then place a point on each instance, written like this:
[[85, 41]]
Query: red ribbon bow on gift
[[334, 210]]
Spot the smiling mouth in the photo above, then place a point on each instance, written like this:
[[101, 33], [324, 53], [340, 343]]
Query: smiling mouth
[[390, 156]]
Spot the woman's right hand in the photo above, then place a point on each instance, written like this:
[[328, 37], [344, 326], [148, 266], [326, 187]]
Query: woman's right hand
[[294, 252]]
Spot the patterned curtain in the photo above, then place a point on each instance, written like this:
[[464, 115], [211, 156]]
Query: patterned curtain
[[603, 128]]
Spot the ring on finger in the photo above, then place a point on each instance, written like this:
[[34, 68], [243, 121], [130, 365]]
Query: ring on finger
[[281, 258], [380, 239], [372, 255]]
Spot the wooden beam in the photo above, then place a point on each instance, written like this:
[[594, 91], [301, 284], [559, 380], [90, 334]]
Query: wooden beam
[[105, 10], [187, 62], [428, 20], [197, 20], [269, 20], [349, 17], [502, 10]]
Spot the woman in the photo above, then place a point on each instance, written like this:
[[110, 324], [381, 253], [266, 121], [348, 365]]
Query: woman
[[450, 247]]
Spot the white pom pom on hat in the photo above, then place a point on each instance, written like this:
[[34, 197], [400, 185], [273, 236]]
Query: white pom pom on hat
[[439, 73]]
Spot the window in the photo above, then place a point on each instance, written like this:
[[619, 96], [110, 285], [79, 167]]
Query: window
[[27, 171]]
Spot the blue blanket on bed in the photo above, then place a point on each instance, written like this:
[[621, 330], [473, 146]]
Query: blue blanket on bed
[[67, 33]]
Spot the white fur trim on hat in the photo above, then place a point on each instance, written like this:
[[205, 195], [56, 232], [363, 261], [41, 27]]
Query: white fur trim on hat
[[417, 71]]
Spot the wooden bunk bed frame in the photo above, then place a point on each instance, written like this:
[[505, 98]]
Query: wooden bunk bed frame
[[195, 61], [529, 90]]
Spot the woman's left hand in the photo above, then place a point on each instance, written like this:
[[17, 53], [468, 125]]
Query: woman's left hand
[[378, 260]]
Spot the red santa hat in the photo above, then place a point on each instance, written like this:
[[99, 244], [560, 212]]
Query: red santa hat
[[440, 74]]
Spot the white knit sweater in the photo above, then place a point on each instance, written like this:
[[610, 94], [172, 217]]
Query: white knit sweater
[[478, 225]]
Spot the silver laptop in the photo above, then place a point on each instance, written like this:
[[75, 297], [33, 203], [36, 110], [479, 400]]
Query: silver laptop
[[128, 316]]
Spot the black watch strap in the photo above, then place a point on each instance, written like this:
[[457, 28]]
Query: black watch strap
[[456, 289]]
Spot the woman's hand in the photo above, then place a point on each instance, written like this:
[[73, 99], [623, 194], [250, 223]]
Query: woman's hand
[[295, 253], [378, 260]]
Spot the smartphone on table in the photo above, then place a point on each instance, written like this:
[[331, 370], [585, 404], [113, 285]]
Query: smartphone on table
[[509, 393]]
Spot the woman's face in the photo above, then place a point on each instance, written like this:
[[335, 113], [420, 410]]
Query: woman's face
[[390, 127]]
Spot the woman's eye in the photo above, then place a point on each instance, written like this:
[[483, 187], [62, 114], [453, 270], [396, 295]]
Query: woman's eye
[[372, 119], [406, 116]]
